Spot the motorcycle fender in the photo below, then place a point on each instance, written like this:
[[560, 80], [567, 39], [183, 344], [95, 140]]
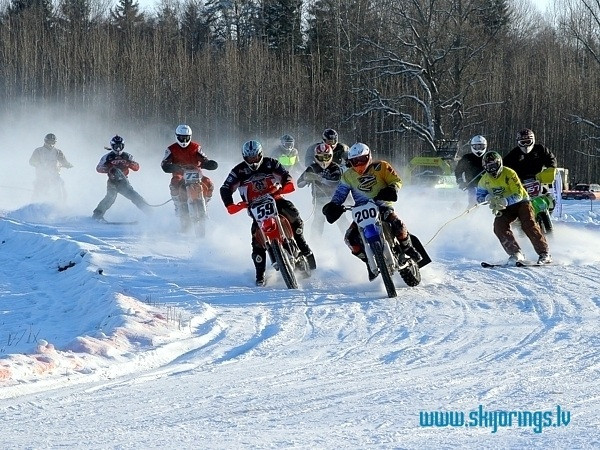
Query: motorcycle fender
[[371, 233], [270, 228]]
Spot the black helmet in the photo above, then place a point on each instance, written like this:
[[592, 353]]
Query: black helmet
[[525, 140], [50, 139], [492, 163], [287, 142], [330, 136], [117, 144]]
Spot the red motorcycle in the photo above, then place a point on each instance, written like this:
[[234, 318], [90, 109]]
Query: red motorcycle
[[274, 231], [196, 199]]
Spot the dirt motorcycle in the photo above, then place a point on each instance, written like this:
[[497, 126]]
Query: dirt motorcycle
[[196, 200], [49, 188], [383, 250], [274, 231], [542, 203]]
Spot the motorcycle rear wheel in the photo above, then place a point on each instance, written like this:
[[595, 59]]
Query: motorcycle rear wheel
[[545, 222], [411, 274]]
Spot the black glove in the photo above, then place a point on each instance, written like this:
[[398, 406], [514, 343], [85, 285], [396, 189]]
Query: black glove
[[116, 174], [171, 168], [210, 164], [332, 211], [387, 194]]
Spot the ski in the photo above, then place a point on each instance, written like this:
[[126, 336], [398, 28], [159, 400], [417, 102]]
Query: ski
[[488, 265], [531, 264], [133, 222], [109, 222], [517, 264]]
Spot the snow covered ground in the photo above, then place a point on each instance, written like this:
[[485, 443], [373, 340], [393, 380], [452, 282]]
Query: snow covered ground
[[133, 336]]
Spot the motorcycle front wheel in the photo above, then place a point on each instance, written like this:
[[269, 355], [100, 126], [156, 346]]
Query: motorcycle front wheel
[[285, 264], [377, 249]]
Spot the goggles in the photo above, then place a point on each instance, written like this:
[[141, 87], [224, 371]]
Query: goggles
[[183, 138], [359, 160], [253, 159], [478, 147], [324, 157], [525, 142], [492, 167]]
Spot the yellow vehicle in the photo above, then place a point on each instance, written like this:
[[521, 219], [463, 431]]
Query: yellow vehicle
[[430, 171]]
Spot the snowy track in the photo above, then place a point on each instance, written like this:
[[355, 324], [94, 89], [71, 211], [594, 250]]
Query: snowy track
[[205, 359]]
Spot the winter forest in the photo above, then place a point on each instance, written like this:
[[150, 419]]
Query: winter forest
[[400, 75]]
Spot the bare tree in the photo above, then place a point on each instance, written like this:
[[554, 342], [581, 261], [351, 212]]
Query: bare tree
[[424, 74]]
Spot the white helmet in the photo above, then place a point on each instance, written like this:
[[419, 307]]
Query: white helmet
[[184, 135], [478, 145], [359, 157]]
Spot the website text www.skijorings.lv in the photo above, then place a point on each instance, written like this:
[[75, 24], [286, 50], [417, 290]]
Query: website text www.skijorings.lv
[[536, 420]]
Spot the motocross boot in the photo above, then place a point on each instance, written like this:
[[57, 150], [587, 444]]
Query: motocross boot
[[258, 257], [305, 249], [409, 250]]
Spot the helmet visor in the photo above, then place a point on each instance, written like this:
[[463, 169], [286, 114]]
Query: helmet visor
[[324, 157], [478, 147], [525, 142], [254, 159], [184, 138], [492, 167], [359, 160], [331, 141]]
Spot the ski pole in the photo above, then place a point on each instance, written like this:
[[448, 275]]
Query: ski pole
[[473, 179]]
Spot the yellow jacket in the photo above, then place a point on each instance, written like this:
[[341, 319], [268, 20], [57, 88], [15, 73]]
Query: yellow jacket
[[364, 187], [506, 185]]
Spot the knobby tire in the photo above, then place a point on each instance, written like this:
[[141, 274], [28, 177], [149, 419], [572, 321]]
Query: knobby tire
[[285, 266], [545, 222], [377, 249], [198, 217], [411, 274]]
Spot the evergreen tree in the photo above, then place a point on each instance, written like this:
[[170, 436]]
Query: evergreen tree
[[167, 21], [236, 20], [282, 24], [492, 16], [126, 15], [75, 15], [44, 7], [195, 25]]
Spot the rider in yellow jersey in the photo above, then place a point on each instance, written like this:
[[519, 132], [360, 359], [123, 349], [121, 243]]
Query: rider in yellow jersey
[[508, 199], [369, 180]]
